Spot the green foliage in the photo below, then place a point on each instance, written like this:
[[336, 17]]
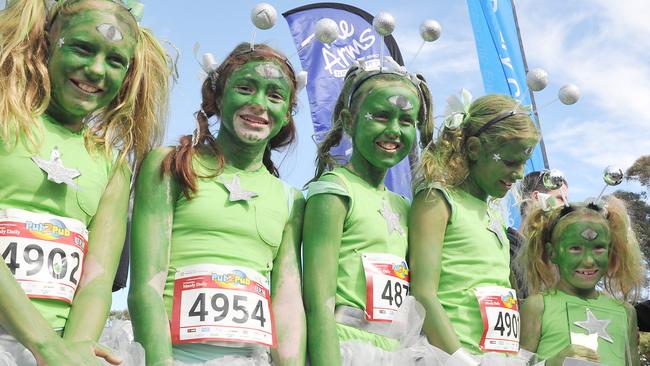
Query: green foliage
[[639, 211], [119, 315], [640, 171]]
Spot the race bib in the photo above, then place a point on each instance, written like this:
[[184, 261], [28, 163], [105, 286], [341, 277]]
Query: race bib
[[218, 303], [500, 313], [387, 284], [44, 252]]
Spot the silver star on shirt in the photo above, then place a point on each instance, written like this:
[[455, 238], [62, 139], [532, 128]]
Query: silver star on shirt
[[55, 170], [61, 42], [368, 115], [392, 219], [237, 193], [593, 325], [496, 157]]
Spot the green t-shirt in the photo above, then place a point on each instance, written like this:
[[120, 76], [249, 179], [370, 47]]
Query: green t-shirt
[[562, 311], [365, 230], [475, 253], [25, 186], [211, 229]]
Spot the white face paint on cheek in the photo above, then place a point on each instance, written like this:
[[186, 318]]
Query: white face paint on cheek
[[91, 271], [157, 282]]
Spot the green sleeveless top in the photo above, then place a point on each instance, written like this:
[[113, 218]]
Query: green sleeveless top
[[475, 253], [25, 186], [365, 231], [562, 311], [211, 229]]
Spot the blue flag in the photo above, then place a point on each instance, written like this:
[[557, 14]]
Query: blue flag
[[503, 63], [327, 64]]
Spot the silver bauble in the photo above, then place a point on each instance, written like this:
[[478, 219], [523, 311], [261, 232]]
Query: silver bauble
[[537, 79], [326, 30], [264, 16], [384, 23], [553, 179], [430, 30], [569, 94], [613, 175]]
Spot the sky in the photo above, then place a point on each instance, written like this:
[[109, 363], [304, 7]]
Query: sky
[[602, 46]]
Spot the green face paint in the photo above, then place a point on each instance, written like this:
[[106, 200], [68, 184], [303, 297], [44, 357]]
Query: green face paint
[[581, 252], [256, 102], [384, 127], [496, 169], [89, 58]]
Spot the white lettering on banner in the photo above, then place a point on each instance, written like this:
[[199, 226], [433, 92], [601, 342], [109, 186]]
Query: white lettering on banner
[[495, 4], [44, 252], [337, 61]]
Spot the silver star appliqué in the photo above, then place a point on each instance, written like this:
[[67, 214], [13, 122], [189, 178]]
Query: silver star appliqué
[[61, 42], [237, 193], [593, 325], [55, 170], [392, 219], [496, 157], [368, 115]]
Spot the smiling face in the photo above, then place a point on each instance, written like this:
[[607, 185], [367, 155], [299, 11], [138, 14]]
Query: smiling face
[[581, 251], [383, 131], [256, 101], [496, 168], [90, 52]]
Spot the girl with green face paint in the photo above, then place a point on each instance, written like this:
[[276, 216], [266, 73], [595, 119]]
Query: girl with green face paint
[[570, 251], [216, 235], [458, 247], [64, 184], [354, 227]]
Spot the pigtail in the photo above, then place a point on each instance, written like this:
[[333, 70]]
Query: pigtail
[[179, 162], [426, 121], [626, 270], [533, 262], [24, 81], [325, 161]]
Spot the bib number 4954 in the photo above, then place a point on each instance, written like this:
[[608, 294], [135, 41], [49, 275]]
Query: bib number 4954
[[223, 306]]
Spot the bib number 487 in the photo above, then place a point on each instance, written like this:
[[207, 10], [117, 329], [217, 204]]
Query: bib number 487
[[395, 291]]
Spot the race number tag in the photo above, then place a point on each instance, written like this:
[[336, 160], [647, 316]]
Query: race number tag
[[500, 313], [218, 303], [387, 284], [44, 252]]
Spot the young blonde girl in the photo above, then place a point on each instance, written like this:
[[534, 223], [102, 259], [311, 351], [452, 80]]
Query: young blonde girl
[[83, 91], [583, 264], [459, 252]]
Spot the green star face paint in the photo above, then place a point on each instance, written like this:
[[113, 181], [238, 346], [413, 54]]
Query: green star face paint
[[384, 125], [581, 243], [496, 169], [256, 101], [90, 54]]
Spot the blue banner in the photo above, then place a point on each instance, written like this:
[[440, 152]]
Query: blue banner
[[503, 63], [327, 64]]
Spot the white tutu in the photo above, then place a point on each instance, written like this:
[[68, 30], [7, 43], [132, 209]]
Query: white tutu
[[258, 358], [118, 336], [414, 349]]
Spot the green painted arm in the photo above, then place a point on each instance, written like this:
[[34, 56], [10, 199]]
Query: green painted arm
[[92, 301], [633, 336], [288, 310], [530, 312], [427, 225], [151, 229], [323, 228]]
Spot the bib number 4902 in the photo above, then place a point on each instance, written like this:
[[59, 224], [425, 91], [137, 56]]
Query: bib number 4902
[[33, 255], [223, 306]]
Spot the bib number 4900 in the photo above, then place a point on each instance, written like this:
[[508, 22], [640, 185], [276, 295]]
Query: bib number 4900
[[222, 306]]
